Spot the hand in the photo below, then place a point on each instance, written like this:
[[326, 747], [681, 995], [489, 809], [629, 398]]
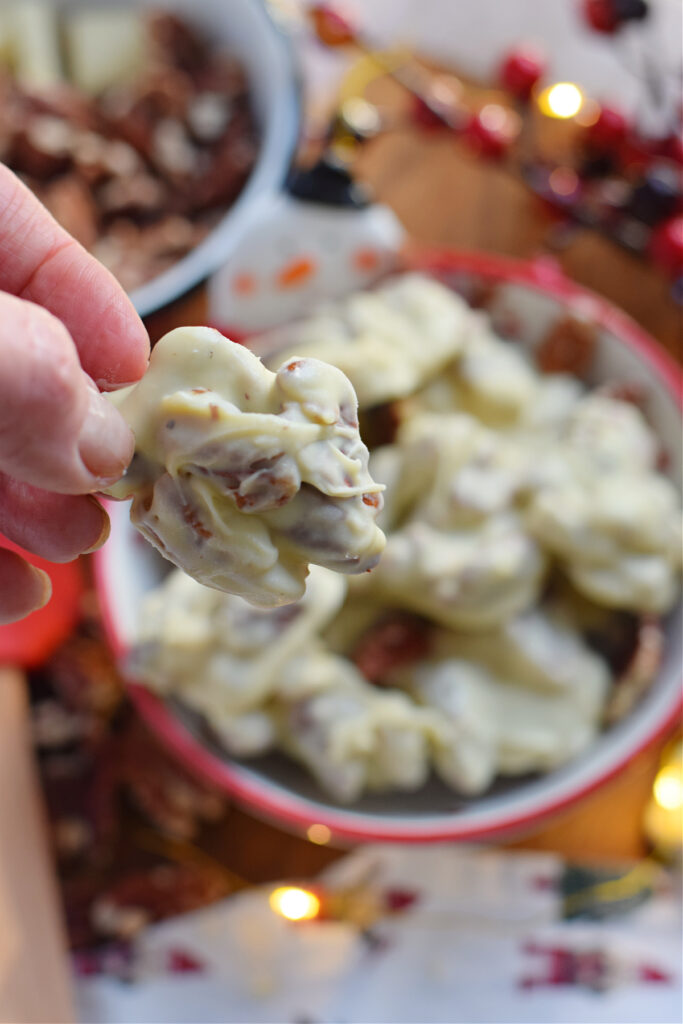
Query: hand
[[67, 331]]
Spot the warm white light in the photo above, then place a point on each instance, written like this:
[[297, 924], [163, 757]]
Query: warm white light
[[564, 100], [294, 904], [319, 834], [668, 789]]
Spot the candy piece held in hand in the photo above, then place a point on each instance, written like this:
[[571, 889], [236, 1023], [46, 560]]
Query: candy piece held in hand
[[241, 477]]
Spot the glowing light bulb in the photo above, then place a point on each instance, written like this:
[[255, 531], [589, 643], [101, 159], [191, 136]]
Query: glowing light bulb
[[319, 834], [563, 100], [668, 788], [295, 904]]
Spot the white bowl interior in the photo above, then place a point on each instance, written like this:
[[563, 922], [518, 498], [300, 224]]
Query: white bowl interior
[[128, 567]]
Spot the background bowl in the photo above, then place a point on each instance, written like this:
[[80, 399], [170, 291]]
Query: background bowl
[[528, 298], [245, 29]]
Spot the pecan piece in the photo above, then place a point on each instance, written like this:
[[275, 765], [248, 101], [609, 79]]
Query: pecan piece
[[568, 347], [396, 640]]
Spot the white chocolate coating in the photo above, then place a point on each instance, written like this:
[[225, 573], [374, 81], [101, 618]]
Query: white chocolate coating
[[487, 725], [474, 579], [222, 656], [388, 342], [242, 476], [350, 735], [607, 515]]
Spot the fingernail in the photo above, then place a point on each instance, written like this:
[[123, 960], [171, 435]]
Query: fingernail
[[106, 442], [43, 588], [103, 535]]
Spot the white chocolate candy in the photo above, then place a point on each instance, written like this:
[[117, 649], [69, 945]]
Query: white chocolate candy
[[460, 472], [223, 657], [618, 535], [613, 435], [388, 341], [463, 731], [495, 381], [242, 477], [487, 725], [350, 735], [536, 651], [473, 579]]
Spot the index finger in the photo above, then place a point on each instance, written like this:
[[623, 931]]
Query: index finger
[[41, 262]]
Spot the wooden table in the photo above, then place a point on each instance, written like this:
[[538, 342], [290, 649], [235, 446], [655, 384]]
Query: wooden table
[[444, 195]]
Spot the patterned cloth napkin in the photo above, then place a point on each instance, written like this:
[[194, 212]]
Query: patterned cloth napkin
[[440, 933]]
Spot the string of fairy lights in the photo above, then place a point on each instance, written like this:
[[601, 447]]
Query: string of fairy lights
[[613, 179], [362, 905], [663, 826]]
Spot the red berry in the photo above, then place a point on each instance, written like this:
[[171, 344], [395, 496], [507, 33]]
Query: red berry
[[492, 131], [635, 153], [521, 70], [666, 246], [610, 129], [331, 26], [601, 15], [672, 148]]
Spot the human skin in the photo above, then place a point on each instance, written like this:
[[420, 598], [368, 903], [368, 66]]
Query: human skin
[[67, 333]]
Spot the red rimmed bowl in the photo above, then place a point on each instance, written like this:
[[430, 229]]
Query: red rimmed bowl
[[528, 299]]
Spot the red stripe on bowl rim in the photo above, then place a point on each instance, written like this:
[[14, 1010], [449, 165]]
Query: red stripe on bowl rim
[[267, 798]]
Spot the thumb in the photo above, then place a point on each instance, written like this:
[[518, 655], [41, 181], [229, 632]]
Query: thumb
[[57, 432]]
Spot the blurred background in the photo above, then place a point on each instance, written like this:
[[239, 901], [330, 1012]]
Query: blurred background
[[188, 148]]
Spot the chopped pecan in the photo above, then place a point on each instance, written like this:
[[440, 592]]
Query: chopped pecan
[[396, 640], [640, 673], [379, 424], [568, 347], [41, 147], [139, 196], [175, 43], [193, 520]]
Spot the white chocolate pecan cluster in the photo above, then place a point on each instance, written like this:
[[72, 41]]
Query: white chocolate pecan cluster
[[458, 550], [224, 657], [609, 518], [351, 736], [477, 516], [242, 477]]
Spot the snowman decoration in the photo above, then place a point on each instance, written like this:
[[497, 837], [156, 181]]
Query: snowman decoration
[[319, 239]]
